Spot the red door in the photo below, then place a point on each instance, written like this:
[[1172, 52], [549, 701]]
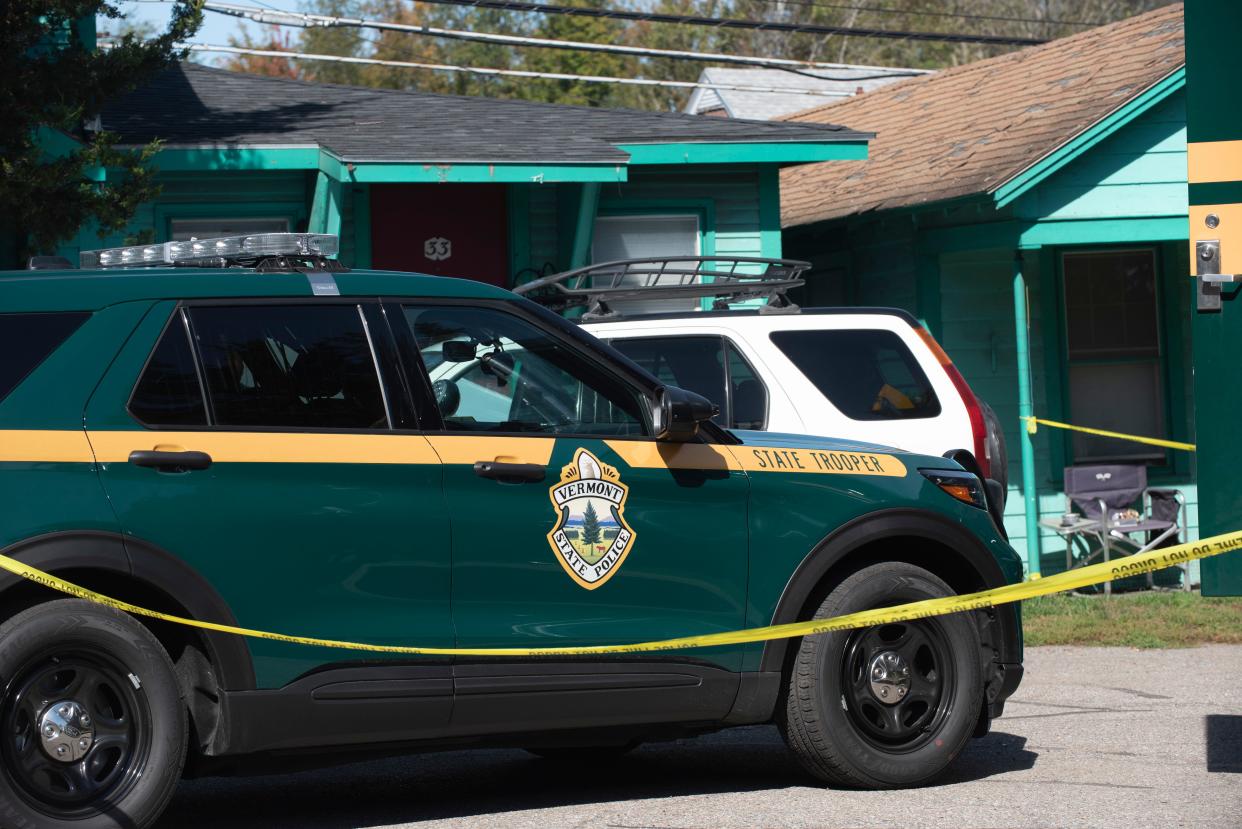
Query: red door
[[443, 229]]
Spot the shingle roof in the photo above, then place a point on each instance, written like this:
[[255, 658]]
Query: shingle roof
[[841, 82], [972, 128], [194, 105]]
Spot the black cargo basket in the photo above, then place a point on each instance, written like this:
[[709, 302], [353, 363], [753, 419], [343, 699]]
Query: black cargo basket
[[722, 279]]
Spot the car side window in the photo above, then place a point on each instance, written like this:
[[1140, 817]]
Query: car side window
[[492, 371], [748, 396], [693, 363], [288, 366], [169, 392], [708, 365], [869, 374]]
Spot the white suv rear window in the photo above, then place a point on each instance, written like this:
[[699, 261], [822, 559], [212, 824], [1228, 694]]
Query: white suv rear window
[[867, 374]]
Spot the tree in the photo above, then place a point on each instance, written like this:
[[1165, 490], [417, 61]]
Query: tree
[[276, 67], [1021, 18], [590, 525], [53, 89], [333, 40], [575, 62]]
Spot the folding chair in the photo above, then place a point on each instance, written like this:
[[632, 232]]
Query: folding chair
[[1104, 493]]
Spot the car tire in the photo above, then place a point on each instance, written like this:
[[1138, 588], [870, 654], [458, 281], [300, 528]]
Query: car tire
[[835, 720], [92, 684]]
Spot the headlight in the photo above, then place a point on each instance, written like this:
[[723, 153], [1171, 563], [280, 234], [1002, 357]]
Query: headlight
[[963, 486]]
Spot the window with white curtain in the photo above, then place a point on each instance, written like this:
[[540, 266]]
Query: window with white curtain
[[646, 237]]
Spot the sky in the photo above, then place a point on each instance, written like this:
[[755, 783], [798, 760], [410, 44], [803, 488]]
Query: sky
[[216, 29]]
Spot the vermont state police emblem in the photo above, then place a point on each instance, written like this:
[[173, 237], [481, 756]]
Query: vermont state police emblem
[[591, 537]]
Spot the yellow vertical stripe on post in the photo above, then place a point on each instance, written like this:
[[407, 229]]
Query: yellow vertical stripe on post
[[1208, 161]]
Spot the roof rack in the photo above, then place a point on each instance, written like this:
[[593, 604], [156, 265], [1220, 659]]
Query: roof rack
[[723, 279]]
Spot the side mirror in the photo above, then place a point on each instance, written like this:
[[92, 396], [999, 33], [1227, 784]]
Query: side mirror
[[677, 413], [448, 397]]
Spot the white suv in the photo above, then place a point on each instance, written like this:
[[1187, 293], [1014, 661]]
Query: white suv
[[874, 375]]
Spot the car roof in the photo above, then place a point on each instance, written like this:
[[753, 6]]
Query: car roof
[[90, 290]]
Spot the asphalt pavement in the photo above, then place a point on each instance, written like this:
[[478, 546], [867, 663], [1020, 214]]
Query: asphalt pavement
[[1107, 737]]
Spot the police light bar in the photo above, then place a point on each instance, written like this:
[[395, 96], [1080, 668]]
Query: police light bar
[[198, 251]]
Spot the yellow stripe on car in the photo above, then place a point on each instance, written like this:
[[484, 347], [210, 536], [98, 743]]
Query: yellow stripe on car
[[114, 446], [817, 461], [269, 447], [45, 446]]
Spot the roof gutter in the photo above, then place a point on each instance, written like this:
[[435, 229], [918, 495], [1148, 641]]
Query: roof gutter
[[1034, 174]]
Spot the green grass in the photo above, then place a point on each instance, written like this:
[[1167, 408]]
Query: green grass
[[1136, 620]]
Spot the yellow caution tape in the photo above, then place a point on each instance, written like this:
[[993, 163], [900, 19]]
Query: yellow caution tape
[[1031, 427], [1069, 580]]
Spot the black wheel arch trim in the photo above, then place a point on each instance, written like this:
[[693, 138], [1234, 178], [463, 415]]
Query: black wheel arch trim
[[156, 568], [878, 526]]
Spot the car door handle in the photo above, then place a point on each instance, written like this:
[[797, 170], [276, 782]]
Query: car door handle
[[170, 461], [511, 472]]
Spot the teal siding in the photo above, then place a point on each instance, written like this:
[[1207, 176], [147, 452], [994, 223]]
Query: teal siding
[[729, 196], [727, 201], [976, 295], [543, 228], [952, 264], [206, 195], [885, 265], [349, 198], [1139, 171]]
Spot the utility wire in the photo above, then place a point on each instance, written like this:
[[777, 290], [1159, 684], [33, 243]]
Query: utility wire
[[308, 20], [736, 23], [952, 15], [514, 73]]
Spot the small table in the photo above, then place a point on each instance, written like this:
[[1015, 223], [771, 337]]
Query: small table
[[1081, 525], [1102, 530]]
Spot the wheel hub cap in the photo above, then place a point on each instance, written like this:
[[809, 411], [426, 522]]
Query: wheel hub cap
[[889, 677], [66, 731]]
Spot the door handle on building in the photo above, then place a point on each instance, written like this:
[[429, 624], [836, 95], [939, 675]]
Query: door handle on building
[[1208, 278], [170, 461], [511, 472]]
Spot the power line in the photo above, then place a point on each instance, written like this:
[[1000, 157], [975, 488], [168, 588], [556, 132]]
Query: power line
[[736, 23], [954, 15], [514, 73], [309, 20]]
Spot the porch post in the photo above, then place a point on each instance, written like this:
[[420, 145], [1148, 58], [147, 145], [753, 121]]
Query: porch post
[[325, 214], [584, 226], [1026, 409]]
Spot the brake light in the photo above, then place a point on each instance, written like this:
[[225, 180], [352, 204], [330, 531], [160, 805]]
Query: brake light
[[978, 427]]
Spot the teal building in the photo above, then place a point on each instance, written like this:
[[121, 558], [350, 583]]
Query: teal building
[[493, 190], [1031, 209]]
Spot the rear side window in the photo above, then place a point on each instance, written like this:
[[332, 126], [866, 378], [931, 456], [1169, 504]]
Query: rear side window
[[867, 374], [169, 392], [706, 365], [26, 340], [299, 366]]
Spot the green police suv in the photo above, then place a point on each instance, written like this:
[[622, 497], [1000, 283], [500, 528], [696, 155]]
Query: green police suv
[[241, 431]]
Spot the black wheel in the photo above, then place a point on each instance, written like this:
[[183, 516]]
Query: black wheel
[[94, 727], [887, 706]]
